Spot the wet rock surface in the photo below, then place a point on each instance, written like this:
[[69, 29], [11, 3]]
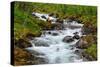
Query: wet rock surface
[[43, 17], [76, 37], [35, 53], [24, 57], [82, 44], [88, 57], [68, 39], [85, 44], [57, 26], [54, 51], [41, 43], [55, 34], [23, 43]]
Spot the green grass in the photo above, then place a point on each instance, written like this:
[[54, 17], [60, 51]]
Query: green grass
[[64, 9], [24, 20], [25, 23], [92, 50], [84, 13]]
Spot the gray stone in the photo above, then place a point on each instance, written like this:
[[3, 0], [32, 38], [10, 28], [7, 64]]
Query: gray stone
[[68, 39], [81, 44], [76, 37], [41, 43], [54, 34]]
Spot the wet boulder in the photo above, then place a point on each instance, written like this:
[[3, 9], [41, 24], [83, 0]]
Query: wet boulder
[[72, 26], [41, 43], [57, 26], [82, 44], [49, 32], [68, 39], [43, 17], [76, 51], [59, 21], [76, 37], [76, 33], [23, 43], [54, 34], [88, 56], [35, 52], [85, 42], [24, 57]]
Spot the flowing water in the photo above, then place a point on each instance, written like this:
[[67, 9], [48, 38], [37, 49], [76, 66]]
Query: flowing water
[[55, 50]]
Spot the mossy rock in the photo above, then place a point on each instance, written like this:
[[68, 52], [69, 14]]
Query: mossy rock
[[20, 56], [31, 36], [24, 57], [22, 43], [86, 41], [88, 38], [91, 52]]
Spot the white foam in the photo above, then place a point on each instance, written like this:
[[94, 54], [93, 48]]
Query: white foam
[[57, 48], [57, 51]]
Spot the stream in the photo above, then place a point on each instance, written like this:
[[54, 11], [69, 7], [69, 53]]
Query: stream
[[50, 44]]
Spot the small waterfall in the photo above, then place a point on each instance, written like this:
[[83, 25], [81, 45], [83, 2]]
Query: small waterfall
[[52, 46]]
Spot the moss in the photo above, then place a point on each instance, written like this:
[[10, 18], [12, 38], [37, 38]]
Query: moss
[[20, 56], [89, 38], [25, 25], [24, 19], [24, 57], [92, 51]]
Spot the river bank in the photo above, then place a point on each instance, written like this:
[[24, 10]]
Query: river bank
[[37, 26]]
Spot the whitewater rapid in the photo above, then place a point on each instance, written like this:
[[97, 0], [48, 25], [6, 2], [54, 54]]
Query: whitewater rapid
[[57, 51]]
